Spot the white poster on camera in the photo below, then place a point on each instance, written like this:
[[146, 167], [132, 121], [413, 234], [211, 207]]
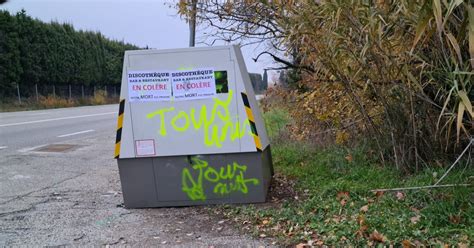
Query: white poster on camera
[[149, 86], [193, 84]]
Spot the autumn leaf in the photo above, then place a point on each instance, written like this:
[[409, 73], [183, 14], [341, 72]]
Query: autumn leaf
[[462, 245], [361, 219], [364, 208], [415, 219], [379, 194], [343, 197], [376, 236], [362, 230], [407, 244], [349, 158], [455, 219], [400, 196]]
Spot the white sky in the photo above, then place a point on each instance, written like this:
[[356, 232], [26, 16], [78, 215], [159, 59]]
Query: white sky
[[150, 23]]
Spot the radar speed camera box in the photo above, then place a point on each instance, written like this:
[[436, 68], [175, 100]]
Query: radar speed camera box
[[189, 129]]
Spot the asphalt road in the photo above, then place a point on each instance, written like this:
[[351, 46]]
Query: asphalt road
[[73, 197], [27, 129]]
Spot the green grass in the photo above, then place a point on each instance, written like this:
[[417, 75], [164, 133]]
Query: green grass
[[275, 121], [335, 205], [325, 176]]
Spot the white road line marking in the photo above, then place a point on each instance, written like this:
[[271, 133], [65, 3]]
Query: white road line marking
[[71, 134], [3, 147], [55, 119], [28, 149]]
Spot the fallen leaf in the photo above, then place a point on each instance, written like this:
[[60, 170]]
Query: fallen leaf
[[415, 219], [376, 236], [462, 245], [349, 158], [400, 196], [336, 218], [362, 230], [379, 194], [343, 202], [364, 208], [455, 219], [342, 195], [361, 219], [301, 245], [407, 244]]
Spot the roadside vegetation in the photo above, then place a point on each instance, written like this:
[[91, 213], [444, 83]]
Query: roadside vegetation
[[323, 196], [380, 95], [50, 101], [396, 73]]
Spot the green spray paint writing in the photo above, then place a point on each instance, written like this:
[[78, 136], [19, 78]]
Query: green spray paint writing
[[227, 179]]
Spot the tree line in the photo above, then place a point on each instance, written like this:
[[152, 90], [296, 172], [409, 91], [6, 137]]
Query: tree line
[[33, 52]]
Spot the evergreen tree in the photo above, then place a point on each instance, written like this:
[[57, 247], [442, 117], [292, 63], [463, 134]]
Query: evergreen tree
[[33, 52]]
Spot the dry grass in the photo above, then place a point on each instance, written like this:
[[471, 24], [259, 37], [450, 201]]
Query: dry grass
[[50, 102]]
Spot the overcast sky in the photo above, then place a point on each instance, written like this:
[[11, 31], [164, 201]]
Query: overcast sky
[[150, 23]]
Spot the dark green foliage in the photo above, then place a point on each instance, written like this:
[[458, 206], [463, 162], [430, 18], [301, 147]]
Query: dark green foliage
[[33, 52]]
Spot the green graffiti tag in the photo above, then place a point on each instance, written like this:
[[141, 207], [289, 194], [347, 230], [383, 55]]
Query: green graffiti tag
[[218, 126], [226, 179]]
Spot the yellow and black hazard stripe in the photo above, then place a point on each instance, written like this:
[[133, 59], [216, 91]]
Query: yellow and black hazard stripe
[[253, 128], [118, 138]]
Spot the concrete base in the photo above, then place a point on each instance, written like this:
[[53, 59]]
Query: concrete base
[[196, 180]]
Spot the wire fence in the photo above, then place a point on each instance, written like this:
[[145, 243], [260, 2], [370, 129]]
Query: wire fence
[[71, 91]]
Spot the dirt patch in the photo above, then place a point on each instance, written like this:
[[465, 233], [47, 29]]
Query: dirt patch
[[281, 189]]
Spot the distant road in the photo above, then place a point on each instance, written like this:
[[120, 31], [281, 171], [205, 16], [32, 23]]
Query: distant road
[[29, 129]]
